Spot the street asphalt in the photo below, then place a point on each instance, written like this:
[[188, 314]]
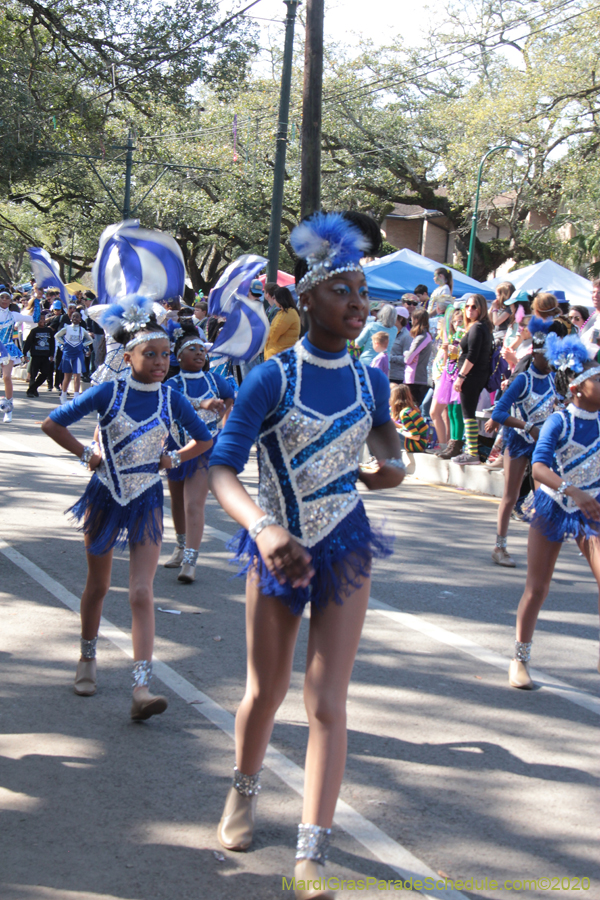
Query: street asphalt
[[451, 774]]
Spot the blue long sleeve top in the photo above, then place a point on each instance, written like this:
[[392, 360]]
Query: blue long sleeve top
[[197, 386], [586, 431], [140, 405], [325, 390], [517, 391]]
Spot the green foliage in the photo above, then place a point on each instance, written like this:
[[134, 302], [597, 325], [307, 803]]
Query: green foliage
[[400, 125]]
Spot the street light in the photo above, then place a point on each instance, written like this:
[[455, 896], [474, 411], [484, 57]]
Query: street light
[[519, 156]]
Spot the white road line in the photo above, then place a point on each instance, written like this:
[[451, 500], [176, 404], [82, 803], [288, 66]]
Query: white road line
[[376, 841], [417, 623]]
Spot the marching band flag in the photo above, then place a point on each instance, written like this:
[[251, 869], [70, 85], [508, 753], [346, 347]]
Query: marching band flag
[[244, 334], [46, 272], [235, 280], [134, 260]]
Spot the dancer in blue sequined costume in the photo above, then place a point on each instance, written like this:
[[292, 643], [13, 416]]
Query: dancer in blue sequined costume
[[212, 398], [123, 502], [307, 538], [566, 464], [522, 410], [10, 353]]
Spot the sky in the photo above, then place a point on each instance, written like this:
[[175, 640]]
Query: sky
[[379, 20]]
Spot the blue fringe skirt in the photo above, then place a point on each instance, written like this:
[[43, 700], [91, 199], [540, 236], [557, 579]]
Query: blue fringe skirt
[[545, 514], [516, 444], [107, 524], [189, 468], [341, 561]]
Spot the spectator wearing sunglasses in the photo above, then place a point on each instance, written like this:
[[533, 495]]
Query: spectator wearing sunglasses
[[578, 316]]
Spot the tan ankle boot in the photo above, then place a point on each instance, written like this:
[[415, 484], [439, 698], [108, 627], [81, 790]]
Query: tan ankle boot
[[236, 827], [187, 574], [145, 704], [313, 878], [175, 559], [518, 675], [85, 679]]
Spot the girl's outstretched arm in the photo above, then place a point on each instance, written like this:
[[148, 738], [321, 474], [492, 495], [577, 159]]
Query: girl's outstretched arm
[[284, 557], [384, 444], [63, 437]]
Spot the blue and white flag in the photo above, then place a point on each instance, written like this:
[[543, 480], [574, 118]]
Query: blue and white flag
[[235, 280], [245, 331], [134, 260], [46, 272]]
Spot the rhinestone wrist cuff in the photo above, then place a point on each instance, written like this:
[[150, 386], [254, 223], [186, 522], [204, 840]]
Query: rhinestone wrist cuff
[[85, 457], [260, 525], [313, 843], [174, 457], [562, 490], [246, 785], [396, 463]]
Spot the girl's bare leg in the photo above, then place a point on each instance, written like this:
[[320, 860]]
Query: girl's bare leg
[[271, 632], [65, 383], [143, 560], [77, 383], [7, 378], [439, 423], [541, 560], [591, 550], [332, 645], [514, 471], [195, 492], [176, 490], [96, 589]]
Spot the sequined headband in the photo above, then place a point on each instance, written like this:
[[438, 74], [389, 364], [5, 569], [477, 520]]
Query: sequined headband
[[143, 338], [589, 373], [321, 272], [193, 342]]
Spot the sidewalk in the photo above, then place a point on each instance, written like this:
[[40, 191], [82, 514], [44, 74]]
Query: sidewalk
[[427, 467]]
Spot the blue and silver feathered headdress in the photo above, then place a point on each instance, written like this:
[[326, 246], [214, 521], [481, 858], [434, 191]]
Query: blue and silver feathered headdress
[[539, 329], [130, 313], [330, 244], [566, 354]]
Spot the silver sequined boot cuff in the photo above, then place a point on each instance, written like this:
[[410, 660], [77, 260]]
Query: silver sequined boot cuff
[[313, 843], [180, 538], [523, 651], [190, 557], [142, 673], [88, 648], [501, 542], [246, 785]]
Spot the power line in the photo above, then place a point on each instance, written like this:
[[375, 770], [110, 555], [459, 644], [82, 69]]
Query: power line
[[363, 91]]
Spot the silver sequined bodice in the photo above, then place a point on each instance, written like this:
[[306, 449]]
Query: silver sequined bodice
[[131, 450], [210, 418], [575, 463], [308, 461], [536, 406]]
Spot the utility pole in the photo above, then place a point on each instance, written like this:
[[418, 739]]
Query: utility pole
[[128, 167], [281, 146], [310, 190]]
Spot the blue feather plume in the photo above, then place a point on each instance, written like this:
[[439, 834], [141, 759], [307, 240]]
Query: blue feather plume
[[536, 324], [130, 313], [329, 238], [566, 353]]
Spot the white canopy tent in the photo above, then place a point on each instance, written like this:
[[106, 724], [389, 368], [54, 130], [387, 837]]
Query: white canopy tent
[[548, 276]]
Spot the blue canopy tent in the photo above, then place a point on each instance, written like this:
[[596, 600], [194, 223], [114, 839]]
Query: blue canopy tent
[[391, 276]]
